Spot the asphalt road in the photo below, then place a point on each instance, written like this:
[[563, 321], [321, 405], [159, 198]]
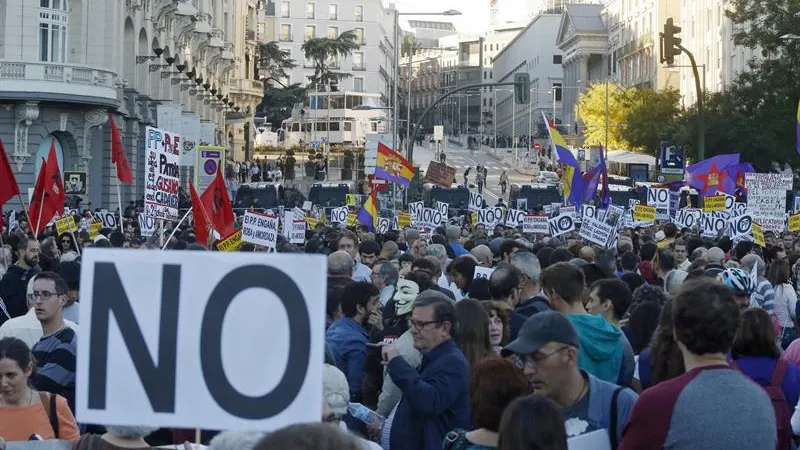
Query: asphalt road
[[461, 159]]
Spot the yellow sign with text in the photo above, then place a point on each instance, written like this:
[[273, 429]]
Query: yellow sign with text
[[352, 220], [311, 222], [758, 235], [404, 220], [94, 228], [350, 199], [714, 203], [794, 222], [642, 213], [232, 243], [66, 225]]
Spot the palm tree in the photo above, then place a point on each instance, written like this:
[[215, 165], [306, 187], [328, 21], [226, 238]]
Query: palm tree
[[272, 62], [323, 51]]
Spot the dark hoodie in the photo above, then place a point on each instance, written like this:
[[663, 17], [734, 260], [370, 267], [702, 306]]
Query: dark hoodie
[[533, 305], [14, 287]]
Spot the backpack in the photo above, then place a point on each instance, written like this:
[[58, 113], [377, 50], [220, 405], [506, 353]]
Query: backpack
[[783, 415], [455, 440], [49, 404]]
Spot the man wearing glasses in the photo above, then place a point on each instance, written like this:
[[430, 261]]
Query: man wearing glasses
[[55, 352], [547, 347]]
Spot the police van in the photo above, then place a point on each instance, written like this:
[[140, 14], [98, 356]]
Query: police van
[[457, 197], [330, 194], [535, 194]]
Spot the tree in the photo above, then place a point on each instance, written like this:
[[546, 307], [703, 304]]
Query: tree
[[652, 118], [323, 52], [272, 62], [592, 111], [277, 103]]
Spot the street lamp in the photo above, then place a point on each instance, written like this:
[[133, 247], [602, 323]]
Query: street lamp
[[397, 14]]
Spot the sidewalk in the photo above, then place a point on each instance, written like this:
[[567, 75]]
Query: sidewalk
[[506, 156]]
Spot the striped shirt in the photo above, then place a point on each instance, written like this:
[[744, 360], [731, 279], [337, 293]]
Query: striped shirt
[[764, 296], [55, 361]]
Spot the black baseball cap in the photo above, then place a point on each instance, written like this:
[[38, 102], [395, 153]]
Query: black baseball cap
[[541, 328]]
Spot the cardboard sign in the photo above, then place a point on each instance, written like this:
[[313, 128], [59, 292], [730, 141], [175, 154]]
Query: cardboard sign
[[773, 181], [108, 218], [231, 243], [443, 208], [659, 198], [563, 223], [687, 218], [66, 225], [758, 235], [644, 213], [514, 218], [383, 225], [350, 199], [475, 201], [712, 225], [490, 217], [415, 208], [440, 173], [298, 233], [483, 272], [339, 215], [597, 232], [714, 203], [162, 173], [766, 199], [536, 224], [794, 222], [429, 218], [261, 229], [741, 227], [94, 229], [147, 225], [403, 220], [163, 331]]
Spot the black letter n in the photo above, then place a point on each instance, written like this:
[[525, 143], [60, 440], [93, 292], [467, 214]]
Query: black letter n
[[109, 297]]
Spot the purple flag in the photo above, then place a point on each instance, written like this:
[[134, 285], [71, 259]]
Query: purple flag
[[711, 175]]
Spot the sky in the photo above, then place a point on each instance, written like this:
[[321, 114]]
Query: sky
[[474, 17]]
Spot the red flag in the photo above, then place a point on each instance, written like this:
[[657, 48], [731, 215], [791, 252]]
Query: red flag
[[124, 173], [8, 184], [218, 205], [201, 222], [39, 210], [54, 187]]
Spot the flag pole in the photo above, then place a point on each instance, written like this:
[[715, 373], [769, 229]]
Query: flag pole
[[3, 249], [175, 230], [39, 217], [24, 209], [119, 204]]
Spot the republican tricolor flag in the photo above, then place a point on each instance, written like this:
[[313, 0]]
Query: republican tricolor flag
[[392, 167]]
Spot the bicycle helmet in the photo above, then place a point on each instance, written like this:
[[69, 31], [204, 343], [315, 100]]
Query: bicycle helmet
[[738, 280]]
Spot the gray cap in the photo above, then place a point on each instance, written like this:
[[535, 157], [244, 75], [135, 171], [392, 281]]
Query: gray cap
[[541, 328]]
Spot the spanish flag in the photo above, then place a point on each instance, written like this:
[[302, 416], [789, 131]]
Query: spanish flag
[[391, 166], [571, 179]]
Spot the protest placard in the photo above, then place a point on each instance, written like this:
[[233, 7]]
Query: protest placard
[[563, 223], [298, 233], [475, 201], [758, 235], [260, 229], [712, 225], [161, 342], [535, 224], [440, 173], [483, 272], [231, 243], [714, 203], [383, 225], [741, 227], [794, 222], [766, 199], [659, 199], [687, 218], [514, 218], [94, 228], [162, 173], [596, 231], [147, 225], [403, 220], [66, 225], [774, 181], [339, 215], [644, 213], [489, 217]]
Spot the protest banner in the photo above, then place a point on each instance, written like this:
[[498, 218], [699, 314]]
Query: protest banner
[[415, 208], [596, 231], [563, 223], [94, 228], [766, 199], [489, 217], [741, 227], [298, 233], [535, 224], [383, 225], [443, 208], [514, 218], [758, 235], [794, 222], [161, 342], [261, 229], [642, 213], [712, 225], [429, 218], [339, 215], [231, 243], [440, 173], [687, 218], [714, 203], [109, 218], [483, 272], [659, 199], [475, 201], [403, 220], [162, 174], [66, 225], [775, 181], [147, 225]]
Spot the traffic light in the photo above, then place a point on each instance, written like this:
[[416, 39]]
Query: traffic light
[[670, 43], [522, 88]]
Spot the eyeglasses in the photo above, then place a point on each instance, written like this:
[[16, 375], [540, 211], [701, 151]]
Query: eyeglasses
[[533, 361], [420, 324], [45, 295]]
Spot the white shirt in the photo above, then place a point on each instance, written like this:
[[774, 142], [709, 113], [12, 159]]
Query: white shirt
[[362, 273], [445, 283], [785, 302], [27, 328]]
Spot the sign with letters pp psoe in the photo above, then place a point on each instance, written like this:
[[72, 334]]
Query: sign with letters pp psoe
[[178, 341]]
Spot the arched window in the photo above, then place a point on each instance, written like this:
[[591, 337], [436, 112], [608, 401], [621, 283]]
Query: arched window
[[53, 21]]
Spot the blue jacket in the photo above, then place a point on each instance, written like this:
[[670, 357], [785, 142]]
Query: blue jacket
[[458, 249], [348, 340], [435, 400], [601, 352]]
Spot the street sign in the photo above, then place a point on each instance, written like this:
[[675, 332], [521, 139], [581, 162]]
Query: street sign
[[438, 133], [315, 145]]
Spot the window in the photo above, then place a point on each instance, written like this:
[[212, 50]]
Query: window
[[359, 13], [333, 32], [360, 36], [557, 89], [286, 32], [358, 60], [556, 59], [53, 21], [358, 86], [311, 30], [310, 10], [348, 126], [333, 12], [285, 10]]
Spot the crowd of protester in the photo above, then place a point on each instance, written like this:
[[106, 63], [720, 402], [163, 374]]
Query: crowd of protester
[[667, 340]]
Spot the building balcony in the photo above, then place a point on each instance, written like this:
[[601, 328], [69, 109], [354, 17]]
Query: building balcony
[[57, 82], [248, 88]]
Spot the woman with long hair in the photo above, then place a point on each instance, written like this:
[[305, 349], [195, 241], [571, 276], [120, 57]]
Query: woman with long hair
[[662, 360], [24, 411], [532, 423], [472, 332], [785, 300], [499, 329]]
